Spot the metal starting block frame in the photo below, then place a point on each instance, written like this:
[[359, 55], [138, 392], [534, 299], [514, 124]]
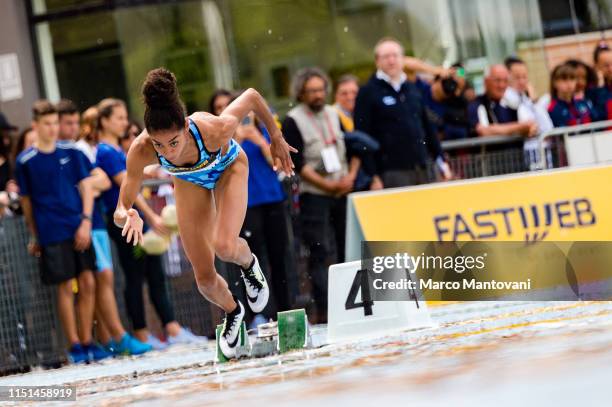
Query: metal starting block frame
[[289, 332]]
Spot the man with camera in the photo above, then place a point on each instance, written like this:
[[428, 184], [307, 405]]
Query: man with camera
[[446, 106]]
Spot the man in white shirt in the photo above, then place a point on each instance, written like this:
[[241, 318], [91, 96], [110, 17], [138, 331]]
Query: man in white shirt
[[519, 96]]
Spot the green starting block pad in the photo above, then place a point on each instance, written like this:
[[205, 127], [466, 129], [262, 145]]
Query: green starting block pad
[[243, 342], [292, 330]]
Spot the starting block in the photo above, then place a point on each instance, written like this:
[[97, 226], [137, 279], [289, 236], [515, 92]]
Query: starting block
[[243, 339], [292, 330], [289, 332]]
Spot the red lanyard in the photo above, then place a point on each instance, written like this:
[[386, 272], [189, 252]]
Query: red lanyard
[[329, 128]]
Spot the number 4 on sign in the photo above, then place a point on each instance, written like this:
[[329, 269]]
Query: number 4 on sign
[[349, 291], [360, 282]]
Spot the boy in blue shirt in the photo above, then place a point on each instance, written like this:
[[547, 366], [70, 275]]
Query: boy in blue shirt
[[57, 200], [109, 329]]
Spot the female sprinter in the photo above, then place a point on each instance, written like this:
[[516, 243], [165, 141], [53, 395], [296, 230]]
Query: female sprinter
[[210, 173]]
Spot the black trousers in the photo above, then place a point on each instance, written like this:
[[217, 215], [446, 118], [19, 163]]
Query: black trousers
[[404, 178], [267, 229], [323, 231], [135, 270]]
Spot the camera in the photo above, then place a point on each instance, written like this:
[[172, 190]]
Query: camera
[[449, 86]]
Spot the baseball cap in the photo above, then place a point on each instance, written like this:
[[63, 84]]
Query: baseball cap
[[4, 123]]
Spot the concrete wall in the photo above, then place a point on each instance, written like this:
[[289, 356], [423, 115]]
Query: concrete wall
[[15, 38]]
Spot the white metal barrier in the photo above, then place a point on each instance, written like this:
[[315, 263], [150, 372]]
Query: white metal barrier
[[584, 144]]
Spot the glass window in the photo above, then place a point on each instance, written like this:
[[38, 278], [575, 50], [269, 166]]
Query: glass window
[[236, 44], [175, 36], [87, 58], [272, 40], [560, 18], [52, 6]]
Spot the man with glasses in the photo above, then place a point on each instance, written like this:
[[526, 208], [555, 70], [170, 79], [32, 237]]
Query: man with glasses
[[313, 127], [488, 113]]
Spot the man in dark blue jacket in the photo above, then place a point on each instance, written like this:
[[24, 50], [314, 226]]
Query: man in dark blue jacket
[[390, 109]]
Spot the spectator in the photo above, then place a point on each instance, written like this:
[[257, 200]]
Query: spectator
[[313, 128], [267, 227], [87, 137], [469, 93], [69, 121], [444, 97], [360, 147], [5, 166], [25, 140], [216, 104], [109, 329], [112, 124], [5, 202], [5, 151], [221, 98], [415, 66], [564, 108], [57, 200], [219, 101], [601, 94], [133, 130], [391, 109], [586, 77], [345, 95], [520, 96], [89, 123], [446, 106], [489, 116]]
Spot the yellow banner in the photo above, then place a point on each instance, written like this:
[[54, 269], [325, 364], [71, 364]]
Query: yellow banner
[[562, 205]]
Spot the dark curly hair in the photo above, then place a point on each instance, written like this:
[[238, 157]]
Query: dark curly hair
[[164, 109], [217, 93], [304, 75], [590, 72]]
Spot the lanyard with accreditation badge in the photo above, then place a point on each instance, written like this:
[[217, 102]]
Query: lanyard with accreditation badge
[[331, 161], [330, 129]]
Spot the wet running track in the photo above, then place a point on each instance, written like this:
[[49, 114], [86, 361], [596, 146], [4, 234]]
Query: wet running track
[[486, 353]]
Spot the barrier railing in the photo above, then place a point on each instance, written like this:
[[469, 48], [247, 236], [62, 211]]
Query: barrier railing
[[576, 145], [480, 142], [482, 156], [496, 155], [30, 332]]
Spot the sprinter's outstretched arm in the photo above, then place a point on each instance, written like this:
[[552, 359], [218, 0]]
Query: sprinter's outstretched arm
[[140, 155]]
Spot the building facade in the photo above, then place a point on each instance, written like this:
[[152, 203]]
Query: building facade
[[90, 49]]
